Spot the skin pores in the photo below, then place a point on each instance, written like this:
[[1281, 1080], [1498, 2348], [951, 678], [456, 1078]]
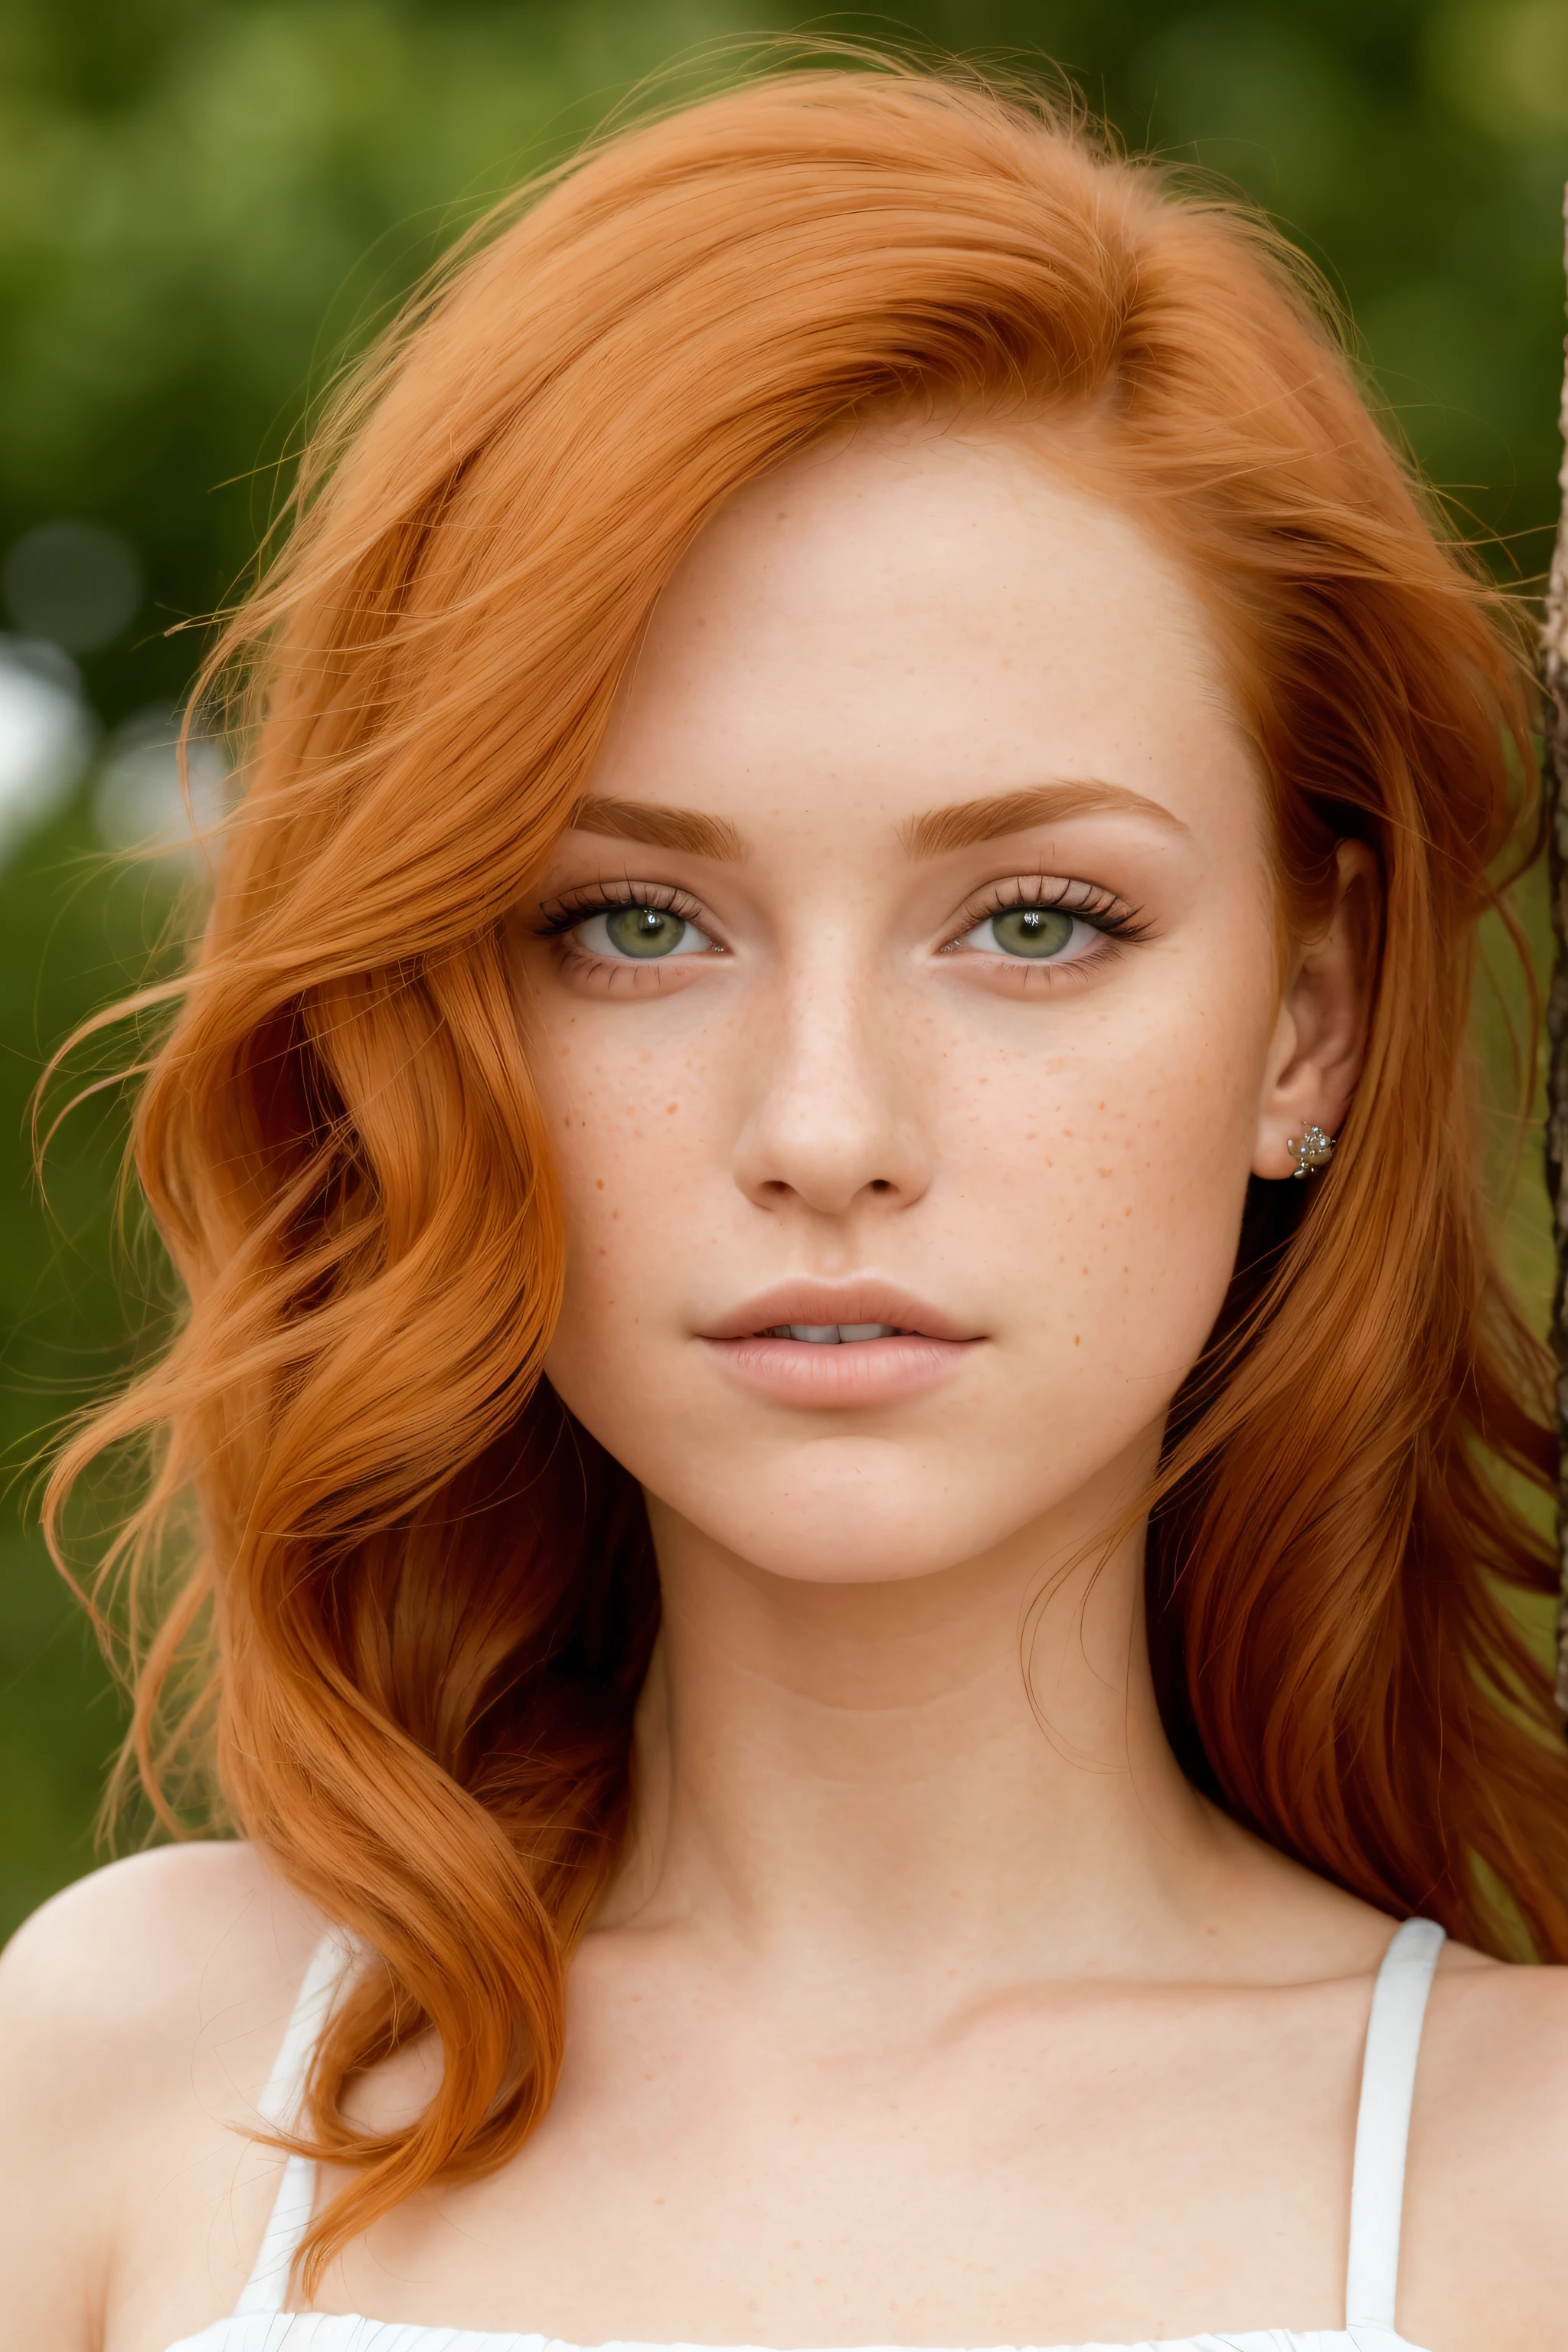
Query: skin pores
[[999, 1079]]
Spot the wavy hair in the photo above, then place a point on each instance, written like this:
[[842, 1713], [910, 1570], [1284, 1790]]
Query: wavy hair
[[405, 1605]]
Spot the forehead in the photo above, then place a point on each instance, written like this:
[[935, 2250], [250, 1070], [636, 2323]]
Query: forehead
[[910, 611]]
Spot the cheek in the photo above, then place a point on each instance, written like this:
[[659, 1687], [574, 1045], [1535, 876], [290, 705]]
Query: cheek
[[1120, 1175], [633, 1134]]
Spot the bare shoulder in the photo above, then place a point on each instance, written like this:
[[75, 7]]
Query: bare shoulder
[[1488, 2150], [137, 1960], [1501, 2030], [139, 2011]]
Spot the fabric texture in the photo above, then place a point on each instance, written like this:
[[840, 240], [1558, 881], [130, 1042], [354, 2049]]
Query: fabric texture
[[319, 2331], [260, 2324]]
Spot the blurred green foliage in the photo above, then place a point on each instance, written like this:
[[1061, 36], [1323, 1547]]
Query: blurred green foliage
[[204, 203]]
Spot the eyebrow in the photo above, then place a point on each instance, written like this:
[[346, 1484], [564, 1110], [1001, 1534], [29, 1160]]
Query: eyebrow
[[661, 828], [967, 822], [960, 826]]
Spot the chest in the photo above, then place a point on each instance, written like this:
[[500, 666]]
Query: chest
[[1114, 2171]]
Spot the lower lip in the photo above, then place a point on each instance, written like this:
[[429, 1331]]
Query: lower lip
[[852, 1372]]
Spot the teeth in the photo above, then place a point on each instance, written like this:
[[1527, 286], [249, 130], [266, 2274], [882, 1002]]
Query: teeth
[[830, 1335]]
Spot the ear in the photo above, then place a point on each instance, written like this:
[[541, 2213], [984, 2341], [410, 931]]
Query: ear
[[1320, 1037]]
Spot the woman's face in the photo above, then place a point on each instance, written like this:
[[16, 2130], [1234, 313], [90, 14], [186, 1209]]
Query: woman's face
[[912, 980]]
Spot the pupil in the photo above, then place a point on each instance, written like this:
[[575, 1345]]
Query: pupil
[[644, 931], [1032, 930]]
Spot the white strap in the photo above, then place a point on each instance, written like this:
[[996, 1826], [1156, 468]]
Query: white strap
[[279, 2105], [1383, 2125]]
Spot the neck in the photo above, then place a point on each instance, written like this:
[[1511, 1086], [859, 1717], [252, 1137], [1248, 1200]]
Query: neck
[[970, 1766]]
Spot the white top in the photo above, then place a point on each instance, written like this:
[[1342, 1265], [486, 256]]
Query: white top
[[260, 2324]]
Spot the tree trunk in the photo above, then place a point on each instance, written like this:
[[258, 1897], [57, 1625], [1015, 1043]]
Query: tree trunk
[[1555, 779]]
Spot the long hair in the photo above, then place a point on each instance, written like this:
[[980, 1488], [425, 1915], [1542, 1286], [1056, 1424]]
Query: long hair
[[406, 1604]]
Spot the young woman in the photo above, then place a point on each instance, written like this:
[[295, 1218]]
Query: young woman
[[829, 1509]]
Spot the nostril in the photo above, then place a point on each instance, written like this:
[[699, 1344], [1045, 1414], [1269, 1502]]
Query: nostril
[[880, 1185]]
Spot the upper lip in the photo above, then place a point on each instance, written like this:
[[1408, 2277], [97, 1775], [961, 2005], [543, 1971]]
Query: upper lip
[[860, 1299]]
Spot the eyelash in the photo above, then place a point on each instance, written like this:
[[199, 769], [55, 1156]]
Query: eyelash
[[1089, 901], [1119, 924], [563, 914]]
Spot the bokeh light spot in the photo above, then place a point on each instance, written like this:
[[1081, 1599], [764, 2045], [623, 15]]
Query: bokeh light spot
[[45, 736], [73, 583], [138, 802]]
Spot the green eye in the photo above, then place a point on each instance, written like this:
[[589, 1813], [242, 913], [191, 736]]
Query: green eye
[[1032, 930], [644, 931], [637, 933]]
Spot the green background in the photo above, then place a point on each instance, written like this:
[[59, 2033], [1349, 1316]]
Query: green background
[[204, 203]]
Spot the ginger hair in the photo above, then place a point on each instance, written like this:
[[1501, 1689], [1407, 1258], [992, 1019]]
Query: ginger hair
[[398, 1605]]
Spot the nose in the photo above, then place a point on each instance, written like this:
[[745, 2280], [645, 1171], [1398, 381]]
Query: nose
[[833, 1122]]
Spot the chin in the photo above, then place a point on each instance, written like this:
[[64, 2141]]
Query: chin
[[841, 1558], [885, 1528]]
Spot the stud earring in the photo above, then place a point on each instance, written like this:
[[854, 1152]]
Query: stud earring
[[1314, 1152]]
